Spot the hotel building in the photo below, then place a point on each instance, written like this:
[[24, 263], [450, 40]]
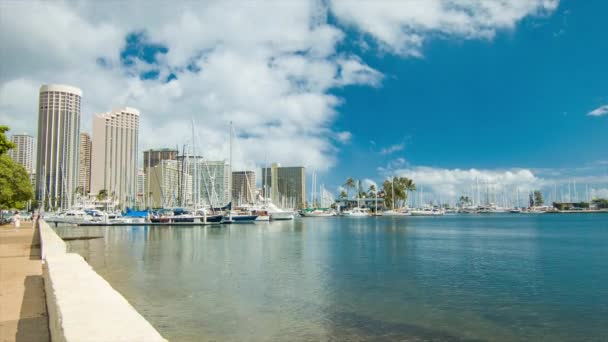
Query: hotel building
[[243, 187], [168, 186], [57, 147], [84, 163], [23, 153], [114, 155], [286, 186]]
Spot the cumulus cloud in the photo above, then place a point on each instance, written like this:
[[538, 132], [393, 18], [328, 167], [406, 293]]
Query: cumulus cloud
[[269, 67], [481, 185], [344, 137], [502, 186], [600, 111], [366, 183], [401, 27]]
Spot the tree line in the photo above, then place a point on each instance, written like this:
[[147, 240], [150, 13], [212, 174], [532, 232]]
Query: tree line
[[402, 187], [15, 187]]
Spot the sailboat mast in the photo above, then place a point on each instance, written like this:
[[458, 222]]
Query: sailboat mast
[[230, 168], [393, 193]]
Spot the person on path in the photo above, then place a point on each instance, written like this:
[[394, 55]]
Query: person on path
[[35, 217], [16, 220]]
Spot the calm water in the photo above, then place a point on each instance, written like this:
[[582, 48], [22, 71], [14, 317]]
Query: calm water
[[518, 277]]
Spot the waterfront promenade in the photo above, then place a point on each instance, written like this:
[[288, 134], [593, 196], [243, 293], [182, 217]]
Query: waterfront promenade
[[23, 315]]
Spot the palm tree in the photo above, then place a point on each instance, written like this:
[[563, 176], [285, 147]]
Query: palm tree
[[408, 185], [343, 194], [372, 191], [402, 185], [102, 195], [349, 185], [387, 188]]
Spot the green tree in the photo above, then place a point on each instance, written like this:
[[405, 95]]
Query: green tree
[[15, 186], [371, 192], [538, 198], [601, 203], [5, 144], [360, 192], [403, 186], [464, 201], [102, 195], [343, 194], [349, 185], [387, 188]]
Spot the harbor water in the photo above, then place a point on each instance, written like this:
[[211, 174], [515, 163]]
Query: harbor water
[[451, 278]]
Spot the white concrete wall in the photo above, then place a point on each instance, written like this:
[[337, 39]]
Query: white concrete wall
[[50, 242], [83, 306]]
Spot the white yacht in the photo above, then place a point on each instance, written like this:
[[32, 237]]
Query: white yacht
[[427, 212], [277, 213], [318, 212], [357, 212], [396, 212]]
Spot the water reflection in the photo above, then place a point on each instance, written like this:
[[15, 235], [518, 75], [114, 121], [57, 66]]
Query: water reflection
[[451, 278]]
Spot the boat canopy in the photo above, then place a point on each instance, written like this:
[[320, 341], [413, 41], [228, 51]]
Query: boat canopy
[[135, 213]]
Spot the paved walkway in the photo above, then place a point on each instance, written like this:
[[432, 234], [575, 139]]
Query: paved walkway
[[23, 314]]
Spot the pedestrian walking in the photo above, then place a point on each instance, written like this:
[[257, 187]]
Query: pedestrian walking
[[16, 220]]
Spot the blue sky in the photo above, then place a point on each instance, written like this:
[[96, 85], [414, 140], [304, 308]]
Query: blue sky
[[519, 100], [444, 91]]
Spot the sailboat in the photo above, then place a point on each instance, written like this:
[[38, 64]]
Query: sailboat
[[236, 216]]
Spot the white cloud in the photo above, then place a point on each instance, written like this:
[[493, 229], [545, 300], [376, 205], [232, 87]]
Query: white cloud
[[452, 183], [392, 149], [401, 27], [269, 67], [502, 185], [392, 165], [344, 137], [366, 183], [599, 193], [600, 111]]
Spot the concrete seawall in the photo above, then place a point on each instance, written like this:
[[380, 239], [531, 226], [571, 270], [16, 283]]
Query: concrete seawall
[[82, 306]]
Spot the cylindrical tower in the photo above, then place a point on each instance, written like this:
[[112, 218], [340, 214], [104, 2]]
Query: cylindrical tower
[[58, 141]]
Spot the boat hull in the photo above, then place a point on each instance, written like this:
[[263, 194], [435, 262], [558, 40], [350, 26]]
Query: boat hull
[[277, 216]]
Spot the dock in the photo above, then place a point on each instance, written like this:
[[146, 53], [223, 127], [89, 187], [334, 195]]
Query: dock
[[23, 314]]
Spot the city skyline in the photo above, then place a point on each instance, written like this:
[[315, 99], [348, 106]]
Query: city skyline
[[443, 95]]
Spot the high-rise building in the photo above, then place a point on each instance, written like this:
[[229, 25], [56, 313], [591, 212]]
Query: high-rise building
[[153, 157], [164, 189], [243, 187], [114, 154], [23, 153], [211, 180], [286, 186], [141, 188], [84, 163], [57, 150]]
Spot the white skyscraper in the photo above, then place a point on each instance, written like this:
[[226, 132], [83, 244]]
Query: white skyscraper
[[210, 180], [84, 163], [57, 150], [215, 179], [23, 153], [114, 154], [141, 187]]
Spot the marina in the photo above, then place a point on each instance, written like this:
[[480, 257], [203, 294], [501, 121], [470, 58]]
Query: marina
[[500, 277], [304, 171]]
